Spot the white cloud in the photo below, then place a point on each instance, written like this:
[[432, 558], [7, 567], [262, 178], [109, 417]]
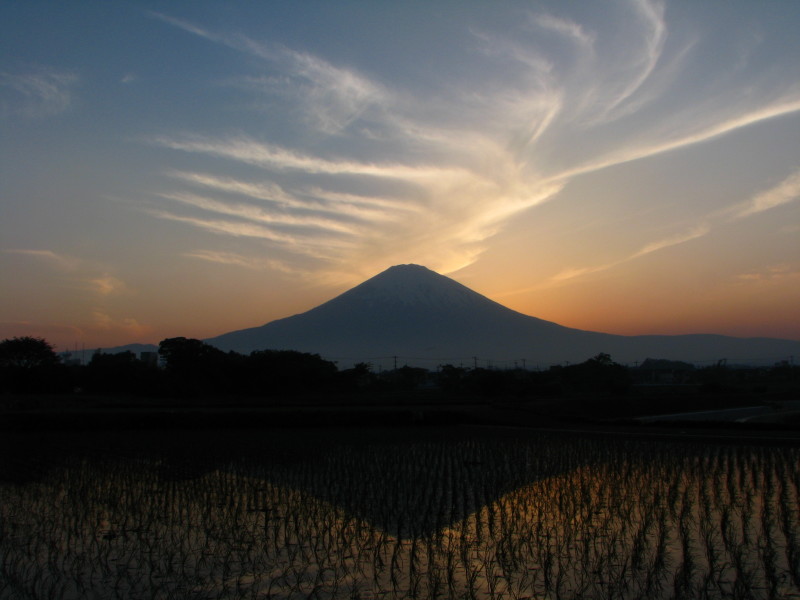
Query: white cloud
[[653, 32], [334, 97], [572, 273], [771, 275], [680, 238], [185, 25], [59, 261], [570, 29], [692, 132], [88, 274], [786, 191], [307, 244], [265, 190], [239, 260], [257, 214], [435, 172], [106, 285], [37, 93], [276, 157], [104, 322], [312, 200]]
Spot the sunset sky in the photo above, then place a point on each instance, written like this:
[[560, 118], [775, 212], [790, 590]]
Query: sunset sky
[[191, 168]]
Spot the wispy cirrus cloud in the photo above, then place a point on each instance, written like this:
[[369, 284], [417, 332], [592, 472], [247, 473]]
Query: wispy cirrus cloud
[[60, 261], [567, 28], [683, 132], [102, 321], [447, 167], [674, 240], [37, 92], [298, 243], [692, 234], [652, 32], [288, 221], [239, 260], [100, 290], [87, 274], [786, 191], [312, 200], [773, 274], [266, 190], [332, 96], [276, 157], [106, 284]]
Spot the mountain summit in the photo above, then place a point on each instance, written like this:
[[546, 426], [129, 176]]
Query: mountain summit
[[423, 318], [413, 288]]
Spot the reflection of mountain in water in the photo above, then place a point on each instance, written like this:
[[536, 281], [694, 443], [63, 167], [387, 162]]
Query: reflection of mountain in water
[[408, 483], [400, 513], [416, 490]]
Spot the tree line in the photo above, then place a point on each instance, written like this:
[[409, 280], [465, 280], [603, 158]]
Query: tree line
[[191, 368]]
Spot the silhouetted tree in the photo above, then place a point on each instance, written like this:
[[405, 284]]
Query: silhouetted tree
[[659, 370], [30, 364], [287, 371], [492, 382], [599, 374], [27, 353], [358, 377], [187, 354], [451, 378], [121, 373], [194, 367], [716, 379], [408, 378]]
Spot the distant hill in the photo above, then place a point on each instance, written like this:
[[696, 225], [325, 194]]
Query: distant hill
[[135, 348], [426, 319]]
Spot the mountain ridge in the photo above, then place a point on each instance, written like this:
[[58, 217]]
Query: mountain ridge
[[426, 318]]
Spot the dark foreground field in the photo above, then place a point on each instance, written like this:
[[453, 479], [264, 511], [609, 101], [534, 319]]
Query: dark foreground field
[[395, 512], [713, 417]]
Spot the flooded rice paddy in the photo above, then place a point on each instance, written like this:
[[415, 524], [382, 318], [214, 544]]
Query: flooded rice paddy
[[428, 513]]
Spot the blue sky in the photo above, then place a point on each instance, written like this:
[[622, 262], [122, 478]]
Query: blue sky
[[190, 168]]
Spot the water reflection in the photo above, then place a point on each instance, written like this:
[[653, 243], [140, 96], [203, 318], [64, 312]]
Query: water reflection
[[459, 513]]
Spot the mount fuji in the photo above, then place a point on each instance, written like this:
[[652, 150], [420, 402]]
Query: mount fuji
[[411, 314]]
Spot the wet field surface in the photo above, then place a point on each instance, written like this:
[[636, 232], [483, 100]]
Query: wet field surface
[[456, 512]]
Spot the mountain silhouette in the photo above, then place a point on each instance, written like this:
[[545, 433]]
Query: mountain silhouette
[[425, 319]]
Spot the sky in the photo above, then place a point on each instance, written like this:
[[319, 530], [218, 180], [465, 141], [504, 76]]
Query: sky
[[192, 168]]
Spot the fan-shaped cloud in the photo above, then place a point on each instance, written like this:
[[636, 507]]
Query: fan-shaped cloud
[[448, 166]]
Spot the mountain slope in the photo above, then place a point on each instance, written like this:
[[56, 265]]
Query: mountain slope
[[426, 319]]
